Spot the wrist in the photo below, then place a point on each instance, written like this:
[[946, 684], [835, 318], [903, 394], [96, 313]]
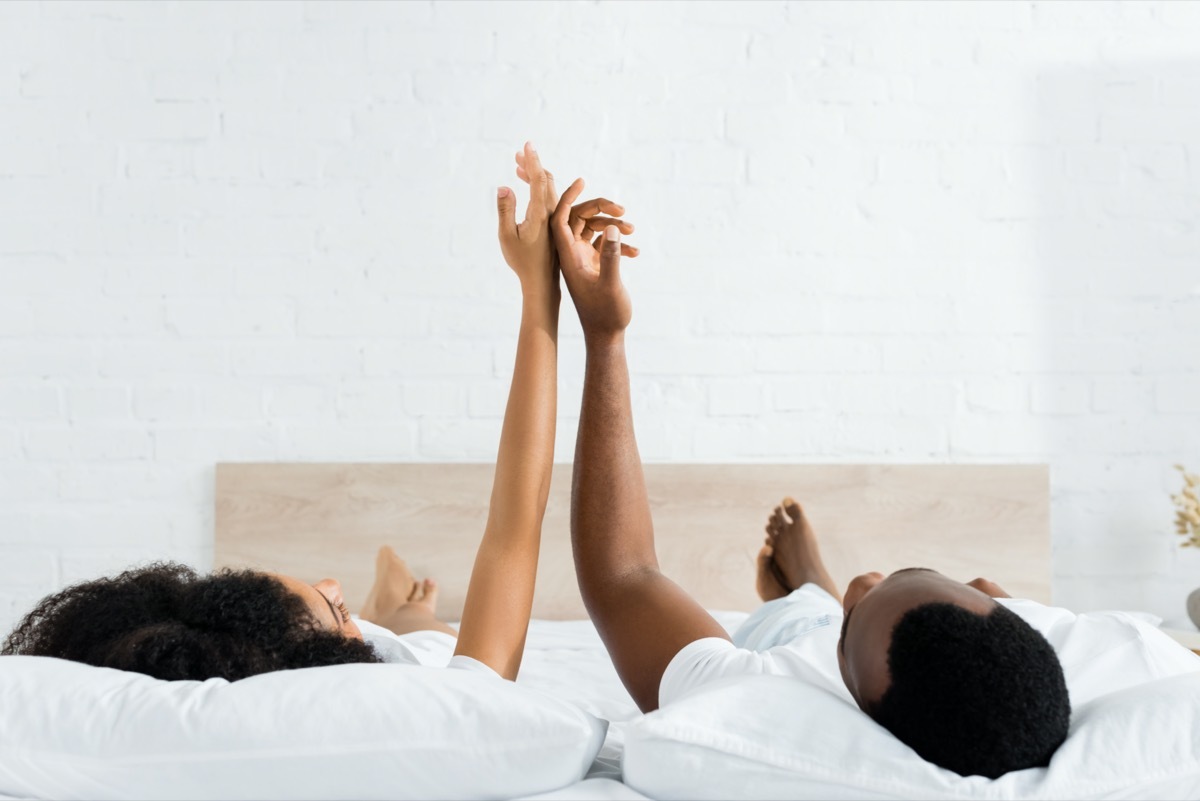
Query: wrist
[[541, 288], [604, 340], [540, 309]]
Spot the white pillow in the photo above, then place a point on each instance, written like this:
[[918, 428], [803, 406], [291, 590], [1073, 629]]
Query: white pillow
[[69, 730], [1134, 725], [774, 737]]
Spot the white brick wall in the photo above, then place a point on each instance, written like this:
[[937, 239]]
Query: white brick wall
[[903, 232]]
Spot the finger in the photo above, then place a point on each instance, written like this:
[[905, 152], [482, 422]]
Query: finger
[[590, 208], [524, 176], [577, 226], [610, 255], [536, 211], [551, 199], [626, 250], [598, 224], [506, 205], [562, 212]]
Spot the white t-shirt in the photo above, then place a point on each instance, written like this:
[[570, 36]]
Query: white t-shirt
[[422, 648], [1101, 652]]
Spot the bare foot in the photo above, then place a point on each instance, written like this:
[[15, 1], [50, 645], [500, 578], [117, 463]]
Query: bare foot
[[768, 584], [791, 558], [424, 597], [394, 586], [400, 602]]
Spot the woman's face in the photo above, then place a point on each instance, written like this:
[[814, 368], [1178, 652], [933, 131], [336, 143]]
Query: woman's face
[[326, 604]]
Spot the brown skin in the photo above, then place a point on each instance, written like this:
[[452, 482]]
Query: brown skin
[[397, 601], [500, 595], [643, 617], [790, 558], [874, 605], [319, 598]]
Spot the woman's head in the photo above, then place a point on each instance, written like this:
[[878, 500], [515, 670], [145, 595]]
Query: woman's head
[[166, 621]]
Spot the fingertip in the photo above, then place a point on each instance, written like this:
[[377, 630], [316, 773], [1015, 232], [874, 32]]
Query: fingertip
[[503, 192], [612, 233]]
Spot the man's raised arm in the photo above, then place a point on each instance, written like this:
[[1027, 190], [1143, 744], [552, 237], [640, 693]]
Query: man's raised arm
[[643, 617]]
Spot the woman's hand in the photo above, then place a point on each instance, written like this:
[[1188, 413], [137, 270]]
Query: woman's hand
[[527, 246], [591, 267]]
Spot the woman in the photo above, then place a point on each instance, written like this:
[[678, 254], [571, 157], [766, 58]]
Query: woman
[[166, 621]]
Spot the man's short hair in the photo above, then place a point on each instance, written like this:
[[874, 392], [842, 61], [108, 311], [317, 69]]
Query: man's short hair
[[977, 694]]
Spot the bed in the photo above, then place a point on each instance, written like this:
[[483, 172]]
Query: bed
[[326, 520]]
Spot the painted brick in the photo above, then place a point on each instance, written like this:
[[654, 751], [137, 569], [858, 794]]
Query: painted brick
[[902, 232]]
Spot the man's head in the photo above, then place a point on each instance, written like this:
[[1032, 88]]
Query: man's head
[[962, 680]]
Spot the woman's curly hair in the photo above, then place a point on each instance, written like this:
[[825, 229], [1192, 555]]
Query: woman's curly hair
[[166, 621]]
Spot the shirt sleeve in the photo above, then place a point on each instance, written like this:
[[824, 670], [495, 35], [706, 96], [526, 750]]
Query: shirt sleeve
[[427, 648], [461, 662], [704, 661]]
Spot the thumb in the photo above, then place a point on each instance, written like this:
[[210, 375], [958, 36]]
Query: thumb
[[610, 255], [506, 203]]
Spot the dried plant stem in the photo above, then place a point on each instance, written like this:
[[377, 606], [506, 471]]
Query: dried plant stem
[[1187, 509]]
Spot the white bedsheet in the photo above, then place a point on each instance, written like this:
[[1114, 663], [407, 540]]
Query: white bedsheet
[[567, 660]]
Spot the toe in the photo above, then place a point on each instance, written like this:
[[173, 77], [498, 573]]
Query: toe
[[794, 510], [764, 559]]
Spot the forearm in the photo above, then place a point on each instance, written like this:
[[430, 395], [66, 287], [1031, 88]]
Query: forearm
[[526, 455], [500, 595], [643, 617], [612, 532]]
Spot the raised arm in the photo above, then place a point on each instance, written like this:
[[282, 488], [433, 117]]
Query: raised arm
[[643, 617], [500, 596]]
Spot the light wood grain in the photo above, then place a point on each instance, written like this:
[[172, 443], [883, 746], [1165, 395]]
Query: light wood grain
[[327, 520]]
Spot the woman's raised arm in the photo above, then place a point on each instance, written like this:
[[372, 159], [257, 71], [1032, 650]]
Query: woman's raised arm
[[500, 596]]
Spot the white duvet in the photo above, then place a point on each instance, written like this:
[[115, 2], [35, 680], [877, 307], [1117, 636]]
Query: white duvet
[[567, 660]]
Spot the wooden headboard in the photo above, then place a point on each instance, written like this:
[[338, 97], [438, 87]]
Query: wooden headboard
[[327, 520]]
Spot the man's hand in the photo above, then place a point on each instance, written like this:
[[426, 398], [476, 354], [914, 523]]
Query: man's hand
[[527, 246], [592, 268]]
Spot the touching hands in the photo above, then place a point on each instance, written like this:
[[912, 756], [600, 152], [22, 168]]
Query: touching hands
[[527, 246], [590, 267]]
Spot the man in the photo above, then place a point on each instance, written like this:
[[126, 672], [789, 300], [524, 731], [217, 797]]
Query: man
[[945, 666]]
